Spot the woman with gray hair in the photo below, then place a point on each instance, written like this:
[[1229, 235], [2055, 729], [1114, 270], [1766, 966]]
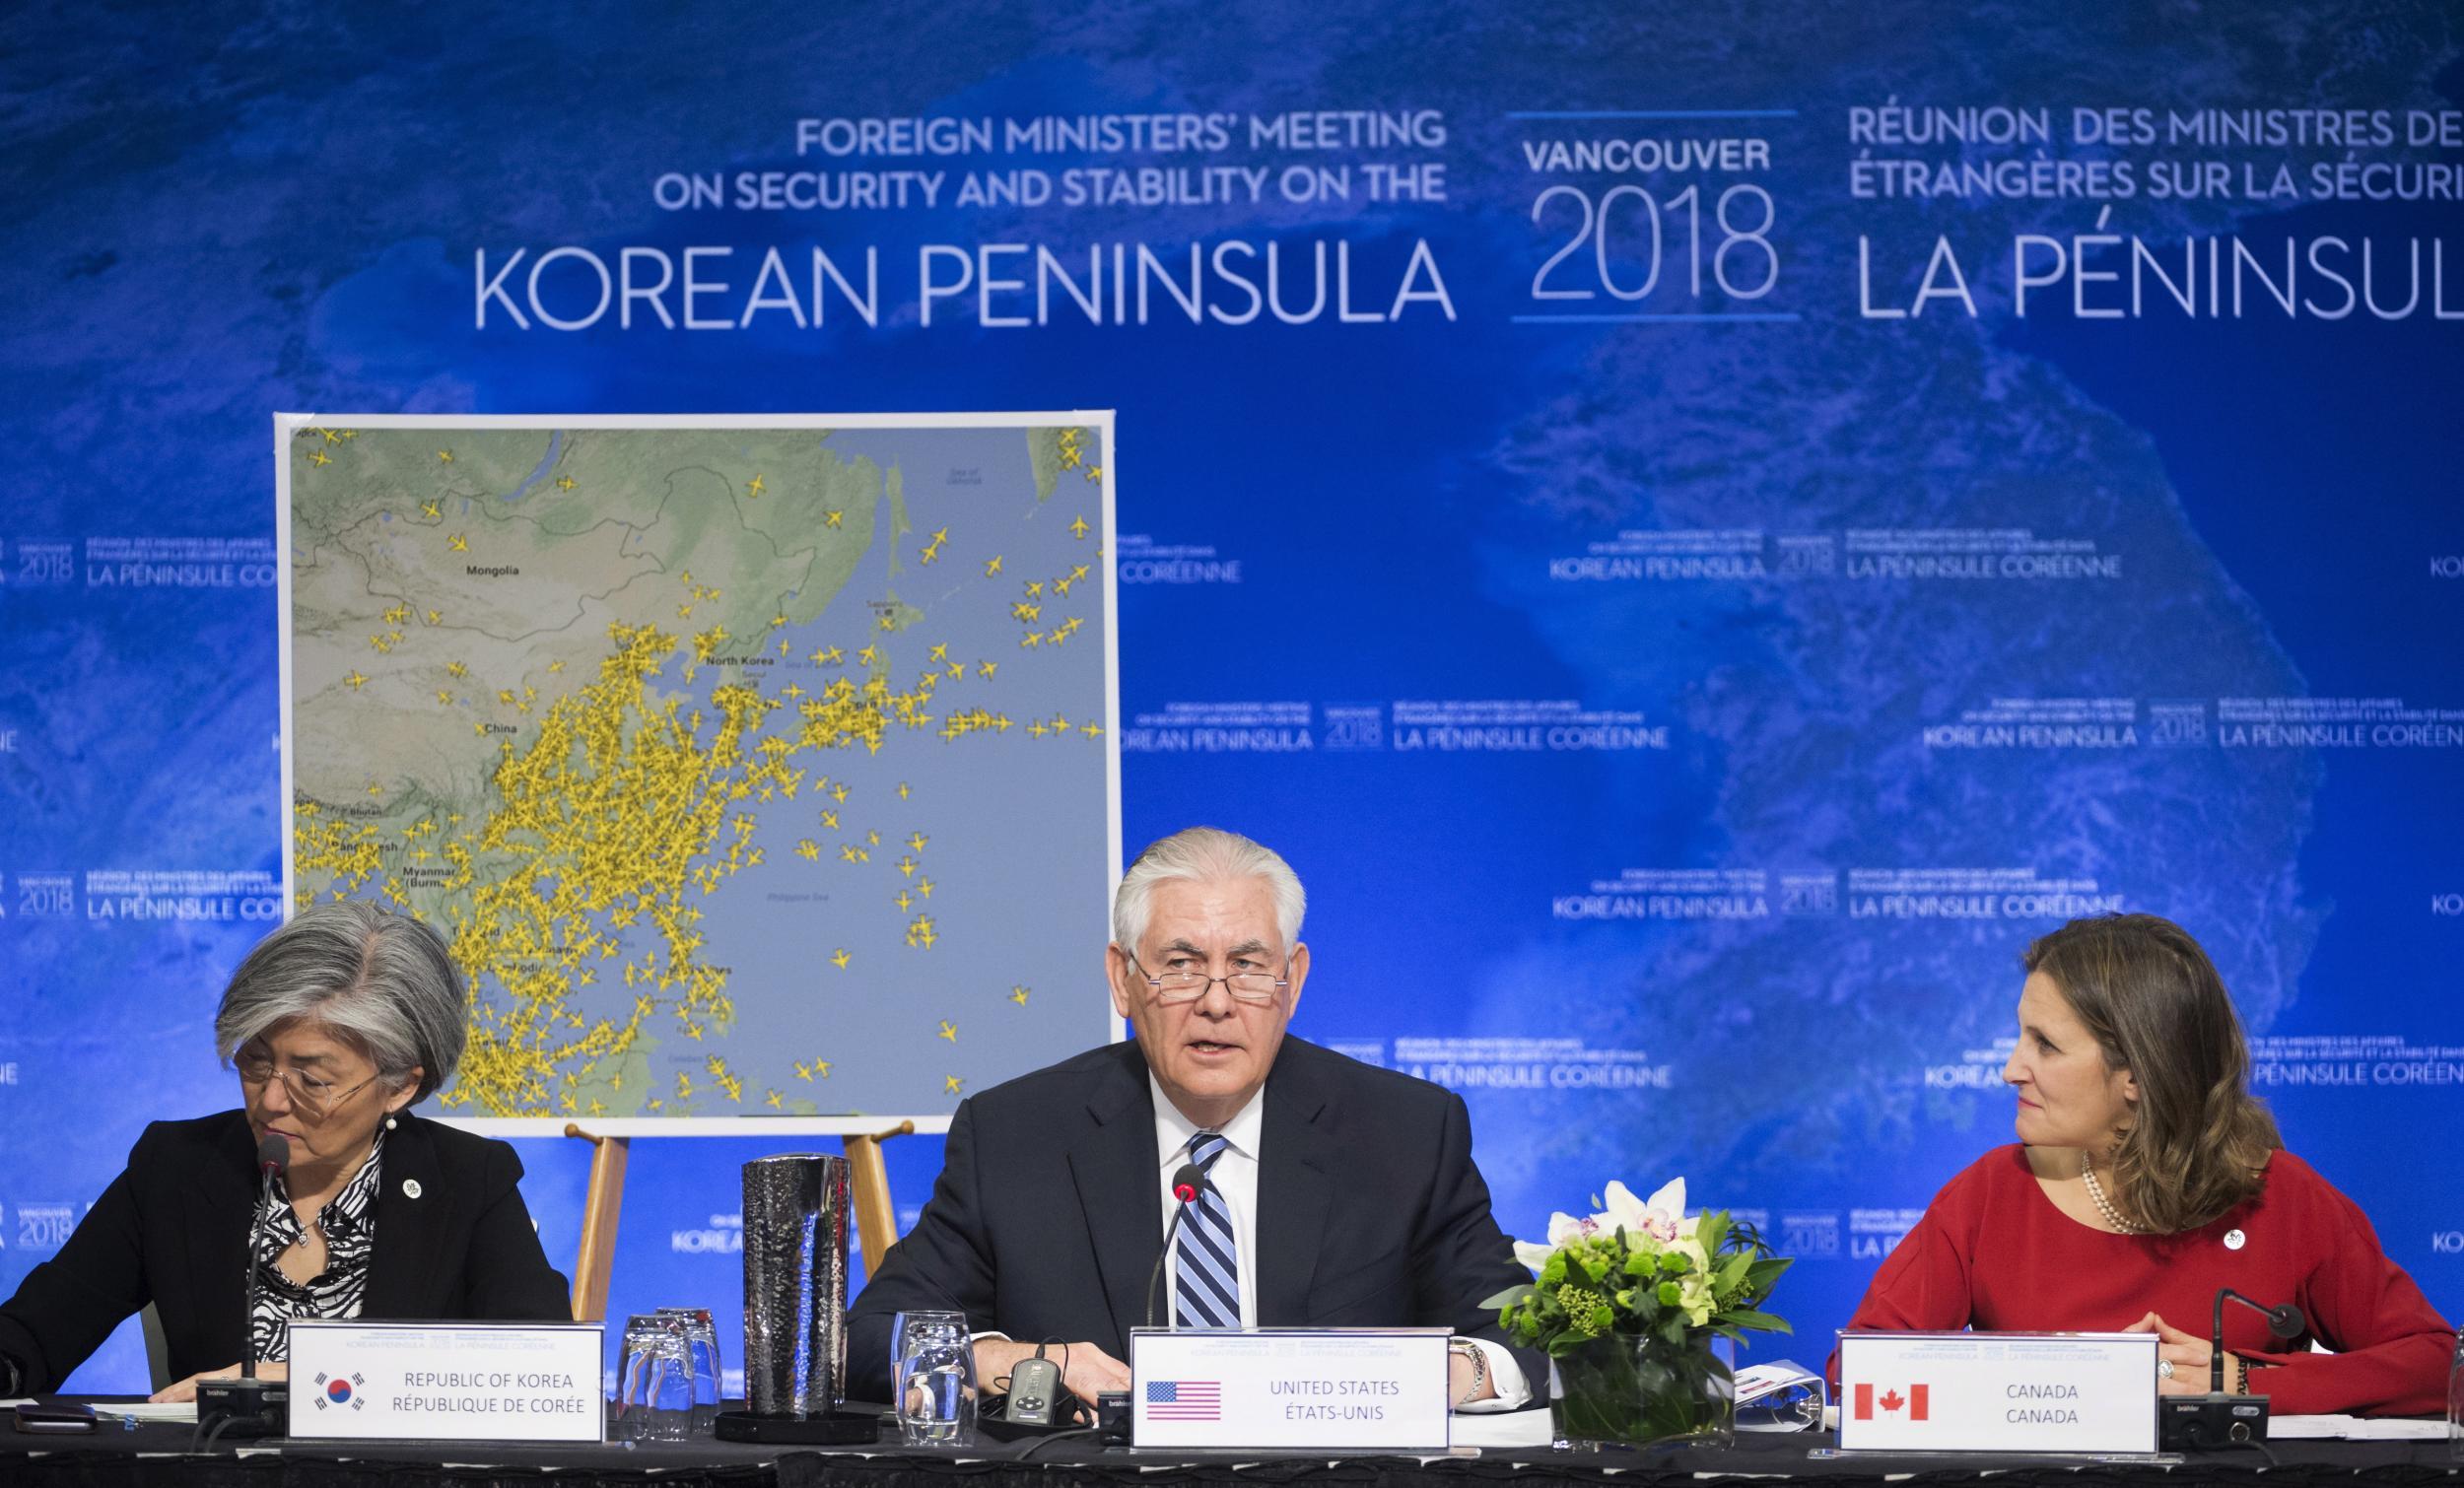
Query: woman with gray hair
[[336, 1024]]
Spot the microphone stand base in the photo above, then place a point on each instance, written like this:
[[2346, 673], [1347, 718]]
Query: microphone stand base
[[2208, 1423], [253, 1407]]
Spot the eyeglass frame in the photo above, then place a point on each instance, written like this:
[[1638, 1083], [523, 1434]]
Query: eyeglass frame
[[319, 1107], [1156, 985]]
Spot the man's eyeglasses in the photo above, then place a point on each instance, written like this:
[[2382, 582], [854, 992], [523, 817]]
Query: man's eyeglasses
[[1182, 985], [313, 1095]]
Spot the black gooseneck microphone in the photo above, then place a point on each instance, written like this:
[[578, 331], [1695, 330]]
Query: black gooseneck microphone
[[273, 1157], [1187, 1185], [2284, 1321], [245, 1406], [2215, 1420]]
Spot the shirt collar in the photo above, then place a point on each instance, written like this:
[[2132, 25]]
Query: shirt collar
[[1173, 1130], [344, 1209]]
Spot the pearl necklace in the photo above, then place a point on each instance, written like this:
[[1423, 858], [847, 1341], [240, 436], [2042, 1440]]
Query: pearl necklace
[[2105, 1207]]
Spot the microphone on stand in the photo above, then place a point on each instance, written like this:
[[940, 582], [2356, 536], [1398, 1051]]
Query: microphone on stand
[[2217, 1419], [245, 1406], [1187, 1185], [273, 1157]]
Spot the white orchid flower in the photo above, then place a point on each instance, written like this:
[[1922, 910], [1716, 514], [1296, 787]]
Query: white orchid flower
[[1532, 1257], [1565, 1229]]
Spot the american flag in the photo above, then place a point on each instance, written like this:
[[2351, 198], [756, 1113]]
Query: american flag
[[1184, 1401]]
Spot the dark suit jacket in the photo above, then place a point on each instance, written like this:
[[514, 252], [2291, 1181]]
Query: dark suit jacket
[[1048, 1217], [172, 1229]]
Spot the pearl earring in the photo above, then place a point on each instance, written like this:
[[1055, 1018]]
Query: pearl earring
[[388, 1124]]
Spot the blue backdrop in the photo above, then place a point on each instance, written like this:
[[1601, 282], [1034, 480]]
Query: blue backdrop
[[1698, 530]]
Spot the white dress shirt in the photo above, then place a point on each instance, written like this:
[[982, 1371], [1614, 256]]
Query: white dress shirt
[[1235, 1177]]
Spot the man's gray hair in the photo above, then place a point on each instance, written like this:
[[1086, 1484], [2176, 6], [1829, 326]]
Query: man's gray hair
[[383, 982], [1205, 854]]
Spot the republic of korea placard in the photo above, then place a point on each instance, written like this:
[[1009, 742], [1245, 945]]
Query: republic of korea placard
[[1344, 1389], [1997, 1392], [455, 1381]]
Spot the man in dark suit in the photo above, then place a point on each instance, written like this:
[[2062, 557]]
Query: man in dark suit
[[1341, 1194]]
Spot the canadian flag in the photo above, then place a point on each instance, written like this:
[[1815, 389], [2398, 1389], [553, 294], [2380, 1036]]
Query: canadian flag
[[1891, 1401]]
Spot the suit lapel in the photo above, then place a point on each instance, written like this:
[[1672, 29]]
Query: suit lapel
[[224, 1187], [1295, 1160], [401, 1262], [1114, 1165]]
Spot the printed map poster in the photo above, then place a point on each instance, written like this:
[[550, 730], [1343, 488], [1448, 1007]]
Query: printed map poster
[[755, 766]]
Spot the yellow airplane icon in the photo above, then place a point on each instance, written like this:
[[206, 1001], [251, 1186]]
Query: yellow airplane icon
[[1091, 730], [829, 655], [916, 841], [941, 652], [793, 691], [838, 793], [940, 537], [1018, 995], [949, 1029], [904, 900], [320, 457], [1035, 588], [993, 565], [756, 488], [1030, 639], [985, 669], [839, 958], [432, 509], [830, 819], [457, 543], [355, 680], [566, 483], [868, 656], [923, 886], [903, 791], [1079, 527], [443, 697], [444, 456], [456, 669], [437, 617], [808, 849], [952, 1085], [830, 518], [1078, 573], [331, 438]]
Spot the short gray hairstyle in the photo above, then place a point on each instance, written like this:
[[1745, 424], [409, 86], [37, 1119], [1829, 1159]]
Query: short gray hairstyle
[[1205, 854], [385, 981]]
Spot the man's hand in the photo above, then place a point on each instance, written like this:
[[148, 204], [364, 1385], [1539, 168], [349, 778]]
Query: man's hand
[[2190, 1355], [1459, 1372], [186, 1390], [1088, 1371]]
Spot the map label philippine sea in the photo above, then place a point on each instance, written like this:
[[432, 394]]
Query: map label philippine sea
[[752, 767]]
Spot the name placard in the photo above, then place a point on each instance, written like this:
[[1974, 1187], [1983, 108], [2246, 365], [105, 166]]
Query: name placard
[[437, 1382], [1998, 1392], [1347, 1389]]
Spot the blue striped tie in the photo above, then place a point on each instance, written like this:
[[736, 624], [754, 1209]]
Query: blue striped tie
[[1207, 1285]]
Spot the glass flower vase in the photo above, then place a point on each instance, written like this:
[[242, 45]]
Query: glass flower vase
[[1644, 1392]]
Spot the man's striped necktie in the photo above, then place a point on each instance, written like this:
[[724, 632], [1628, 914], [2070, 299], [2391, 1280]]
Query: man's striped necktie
[[1207, 1289]]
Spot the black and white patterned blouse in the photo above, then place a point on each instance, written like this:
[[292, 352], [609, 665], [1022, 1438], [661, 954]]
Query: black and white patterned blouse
[[350, 1235]]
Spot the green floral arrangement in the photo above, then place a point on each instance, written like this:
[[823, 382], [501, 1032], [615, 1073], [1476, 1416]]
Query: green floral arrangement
[[1625, 1302]]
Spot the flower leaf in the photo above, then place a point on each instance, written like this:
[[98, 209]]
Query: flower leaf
[[1512, 1297]]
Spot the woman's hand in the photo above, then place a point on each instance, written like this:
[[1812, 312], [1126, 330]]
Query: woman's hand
[[2191, 1357], [186, 1390]]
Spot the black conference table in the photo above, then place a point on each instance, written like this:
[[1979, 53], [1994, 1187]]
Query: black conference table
[[150, 1454]]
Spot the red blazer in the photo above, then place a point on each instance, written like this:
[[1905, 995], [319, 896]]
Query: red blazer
[[1994, 1254]]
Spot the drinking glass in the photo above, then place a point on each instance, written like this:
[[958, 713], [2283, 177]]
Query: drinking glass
[[933, 1364], [654, 1381], [701, 1339]]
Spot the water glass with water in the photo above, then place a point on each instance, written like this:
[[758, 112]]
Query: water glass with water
[[932, 1362], [654, 1382], [701, 1339]]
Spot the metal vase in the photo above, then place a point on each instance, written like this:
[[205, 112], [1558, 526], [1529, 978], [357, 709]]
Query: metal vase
[[795, 1210]]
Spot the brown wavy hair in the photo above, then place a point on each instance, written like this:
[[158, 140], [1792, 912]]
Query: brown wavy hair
[[2156, 1006]]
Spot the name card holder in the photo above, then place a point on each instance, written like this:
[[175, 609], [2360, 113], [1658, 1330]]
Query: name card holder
[[1349, 1389], [447, 1381], [2015, 1393]]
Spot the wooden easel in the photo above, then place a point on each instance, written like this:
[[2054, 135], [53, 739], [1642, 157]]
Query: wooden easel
[[868, 1174]]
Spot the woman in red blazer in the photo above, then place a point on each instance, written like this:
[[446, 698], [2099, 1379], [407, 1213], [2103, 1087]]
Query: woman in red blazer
[[2146, 1176]]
